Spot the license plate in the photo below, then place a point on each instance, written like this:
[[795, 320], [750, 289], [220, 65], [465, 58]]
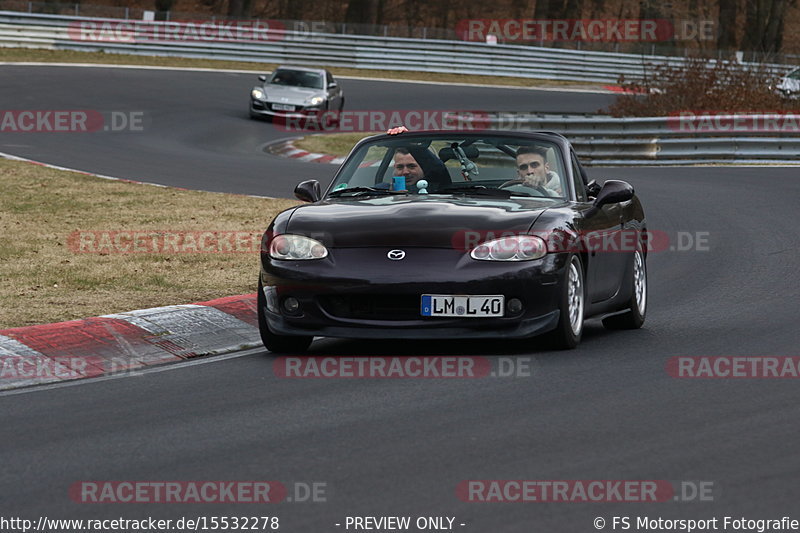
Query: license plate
[[282, 107], [462, 306]]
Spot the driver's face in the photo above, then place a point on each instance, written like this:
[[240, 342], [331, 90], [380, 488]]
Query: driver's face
[[405, 165], [533, 169]]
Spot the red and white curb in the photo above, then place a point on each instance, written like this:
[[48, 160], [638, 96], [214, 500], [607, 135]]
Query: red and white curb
[[123, 342], [288, 149]]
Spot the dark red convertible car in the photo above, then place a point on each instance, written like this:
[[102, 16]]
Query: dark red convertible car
[[454, 234]]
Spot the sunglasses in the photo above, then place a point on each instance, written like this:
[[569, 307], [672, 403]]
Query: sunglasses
[[534, 165]]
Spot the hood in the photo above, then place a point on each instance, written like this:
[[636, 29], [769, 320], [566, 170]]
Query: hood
[[290, 95], [414, 221]]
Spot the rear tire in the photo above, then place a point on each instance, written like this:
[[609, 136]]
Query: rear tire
[[569, 330], [634, 317], [273, 342]]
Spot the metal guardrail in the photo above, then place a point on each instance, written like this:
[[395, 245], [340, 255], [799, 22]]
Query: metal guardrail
[[679, 124], [679, 139], [355, 51], [673, 48]]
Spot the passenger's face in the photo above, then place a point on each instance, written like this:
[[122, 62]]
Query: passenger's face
[[405, 165], [532, 169]]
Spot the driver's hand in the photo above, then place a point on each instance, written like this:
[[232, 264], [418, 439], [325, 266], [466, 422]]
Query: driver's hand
[[396, 130], [534, 181]]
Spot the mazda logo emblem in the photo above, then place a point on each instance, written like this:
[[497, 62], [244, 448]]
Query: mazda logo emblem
[[396, 255]]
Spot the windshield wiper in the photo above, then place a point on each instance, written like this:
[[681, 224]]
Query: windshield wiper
[[362, 191]]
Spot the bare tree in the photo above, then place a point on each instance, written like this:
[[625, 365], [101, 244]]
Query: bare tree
[[728, 13], [239, 8], [361, 12], [764, 26]]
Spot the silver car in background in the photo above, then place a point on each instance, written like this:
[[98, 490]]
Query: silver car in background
[[789, 86], [295, 92]]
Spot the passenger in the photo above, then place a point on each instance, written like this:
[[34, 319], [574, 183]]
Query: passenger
[[534, 171]]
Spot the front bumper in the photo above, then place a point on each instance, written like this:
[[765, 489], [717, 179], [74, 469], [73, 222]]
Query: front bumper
[[350, 294], [260, 107]]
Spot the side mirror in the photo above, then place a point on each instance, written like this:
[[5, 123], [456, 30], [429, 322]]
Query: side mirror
[[332, 85], [308, 191], [613, 192], [262, 78]]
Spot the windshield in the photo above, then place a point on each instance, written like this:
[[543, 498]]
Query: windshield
[[296, 78], [454, 164]]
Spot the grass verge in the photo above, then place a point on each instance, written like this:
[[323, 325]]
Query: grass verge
[[336, 144], [70, 56], [49, 224]]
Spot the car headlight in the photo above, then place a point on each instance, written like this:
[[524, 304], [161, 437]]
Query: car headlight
[[315, 100], [514, 248], [258, 94], [296, 247]]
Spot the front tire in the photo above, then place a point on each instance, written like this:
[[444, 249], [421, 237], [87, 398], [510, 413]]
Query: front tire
[[569, 330], [634, 317], [273, 342]]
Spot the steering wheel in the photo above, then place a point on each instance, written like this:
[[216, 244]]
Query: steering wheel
[[509, 183]]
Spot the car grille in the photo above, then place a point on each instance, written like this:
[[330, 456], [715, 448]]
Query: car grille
[[372, 307]]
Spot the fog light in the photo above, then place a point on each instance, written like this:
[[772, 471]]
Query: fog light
[[291, 305], [514, 306]]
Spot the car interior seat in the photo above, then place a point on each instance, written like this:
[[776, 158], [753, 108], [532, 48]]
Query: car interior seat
[[434, 169]]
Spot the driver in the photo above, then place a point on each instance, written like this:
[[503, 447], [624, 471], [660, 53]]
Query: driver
[[534, 171], [416, 163], [405, 165]]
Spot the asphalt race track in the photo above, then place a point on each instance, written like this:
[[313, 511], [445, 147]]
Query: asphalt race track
[[399, 447], [194, 134]]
